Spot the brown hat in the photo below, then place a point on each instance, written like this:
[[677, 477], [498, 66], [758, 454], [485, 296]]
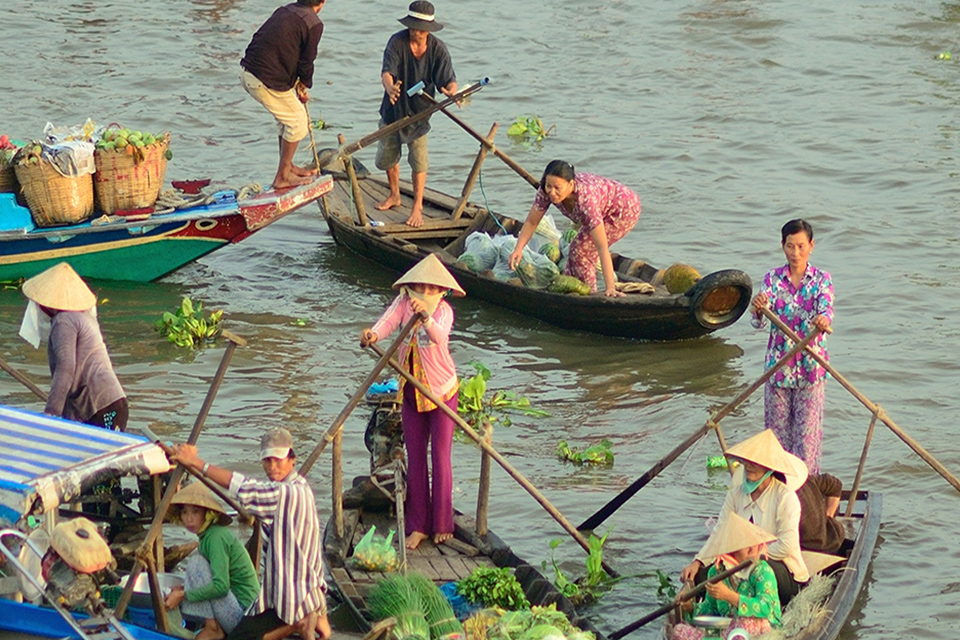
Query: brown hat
[[765, 450], [79, 544], [430, 271], [420, 16], [197, 494], [734, 534], [60, 288]]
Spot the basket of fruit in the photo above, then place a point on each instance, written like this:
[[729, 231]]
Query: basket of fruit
[[130, 168], [8, 176], [53, 198]]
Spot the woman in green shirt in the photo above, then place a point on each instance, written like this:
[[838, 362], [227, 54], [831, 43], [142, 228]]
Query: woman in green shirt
[[220, 583]]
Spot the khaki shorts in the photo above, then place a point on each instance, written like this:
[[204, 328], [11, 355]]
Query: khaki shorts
[[388, 152], [285, 106]]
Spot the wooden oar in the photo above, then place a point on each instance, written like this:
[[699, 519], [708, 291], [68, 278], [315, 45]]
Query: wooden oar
[[22, 379], [874, 409], [683, 597], [233, 341], [488, 448], [393, 127], [712, 423], [357, 396], [487, 144]]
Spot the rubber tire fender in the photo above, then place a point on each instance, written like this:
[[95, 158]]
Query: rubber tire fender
[[720, 298]]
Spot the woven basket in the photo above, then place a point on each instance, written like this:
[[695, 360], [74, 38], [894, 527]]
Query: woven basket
[[53, 198], [130, 181], [8, 179]]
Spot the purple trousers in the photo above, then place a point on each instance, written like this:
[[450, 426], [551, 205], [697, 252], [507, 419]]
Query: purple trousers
[[427, 509], [796, 416]]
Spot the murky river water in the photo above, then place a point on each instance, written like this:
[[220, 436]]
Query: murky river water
[[728, 117]]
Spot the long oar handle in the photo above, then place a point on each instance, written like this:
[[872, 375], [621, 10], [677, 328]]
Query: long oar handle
[[161, 513], [393, 127], [493, 453], [873, 408], [683, 597], [358, 395], [22, 379]]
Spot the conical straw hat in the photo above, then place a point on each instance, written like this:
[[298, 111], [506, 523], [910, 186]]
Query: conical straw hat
[[430, 271], [60, 288], [197, 494], [765, 450], [78, 542], [734, 534]]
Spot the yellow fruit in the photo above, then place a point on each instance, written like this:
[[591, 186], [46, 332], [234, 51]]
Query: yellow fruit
[[679, 277]]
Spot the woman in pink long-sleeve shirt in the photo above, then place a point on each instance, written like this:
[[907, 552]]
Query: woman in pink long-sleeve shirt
[[428, 510]]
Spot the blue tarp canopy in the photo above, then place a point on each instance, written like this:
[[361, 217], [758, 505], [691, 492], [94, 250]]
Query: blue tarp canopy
[[46, 461]]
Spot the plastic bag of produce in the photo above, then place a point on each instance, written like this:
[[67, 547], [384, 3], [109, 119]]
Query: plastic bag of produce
[[505, 246], [536, 270], [376, 553], [482, 246], [547, 229]]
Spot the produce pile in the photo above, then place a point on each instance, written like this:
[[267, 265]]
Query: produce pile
[[417, 604], [376, 553], [7, 150], [131, 142], [535, 623]]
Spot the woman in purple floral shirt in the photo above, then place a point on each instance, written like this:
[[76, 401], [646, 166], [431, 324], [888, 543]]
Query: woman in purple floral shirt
[[802, 296], [605, 210]]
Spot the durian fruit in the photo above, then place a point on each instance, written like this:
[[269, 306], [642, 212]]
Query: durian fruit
[[679, 277]]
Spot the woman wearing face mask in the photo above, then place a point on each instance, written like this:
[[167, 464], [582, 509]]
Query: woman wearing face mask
[[84, 387], [428, 509], [763, 490], [605, 210]]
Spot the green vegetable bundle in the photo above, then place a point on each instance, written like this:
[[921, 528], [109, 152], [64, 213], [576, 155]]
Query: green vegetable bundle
[[437, 609], [396, 597], [493, 587]]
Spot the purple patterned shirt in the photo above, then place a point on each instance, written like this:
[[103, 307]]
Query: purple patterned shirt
[[797, 307], [598, 201]]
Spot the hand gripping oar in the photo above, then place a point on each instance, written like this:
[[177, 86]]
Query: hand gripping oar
[[683, 597], [331, 433], [621, 498], [493, 453], [367, 140], [233, 341], [442, 106]]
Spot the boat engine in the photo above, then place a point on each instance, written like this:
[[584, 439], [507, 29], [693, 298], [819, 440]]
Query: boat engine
[[76, 563]]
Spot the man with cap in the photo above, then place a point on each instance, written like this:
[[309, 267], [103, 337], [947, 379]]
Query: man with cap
[[763, 490], [84, 387], [411, 56], [277, 70], [292, 596]]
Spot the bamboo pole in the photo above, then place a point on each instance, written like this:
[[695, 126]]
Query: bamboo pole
[[863, 461], [472, 177], [354, 186], [155, 528], [516, 475], [712, 423], [336, 482], [156, 598], [355, 399], [22, 379], [873, 408], [483, 491]]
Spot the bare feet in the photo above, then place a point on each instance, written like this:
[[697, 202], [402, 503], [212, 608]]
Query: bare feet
[[211, 631], [391, 202], [416, 216], [291, 179], [441, 537], [414, 539], [304, 171]]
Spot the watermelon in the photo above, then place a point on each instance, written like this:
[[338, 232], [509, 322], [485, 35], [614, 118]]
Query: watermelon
[[552, 251], [568, 284]]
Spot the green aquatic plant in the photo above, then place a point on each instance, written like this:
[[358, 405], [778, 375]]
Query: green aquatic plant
[[186, 327], [529, 128], [593, 584], [477, 408], [597, 454]]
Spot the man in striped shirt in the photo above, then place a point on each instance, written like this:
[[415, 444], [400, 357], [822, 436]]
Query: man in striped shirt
[[292, 596]]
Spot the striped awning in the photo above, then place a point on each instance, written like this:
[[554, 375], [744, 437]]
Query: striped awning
[[45, 461]]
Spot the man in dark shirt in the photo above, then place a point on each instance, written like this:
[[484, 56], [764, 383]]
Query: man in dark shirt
[[819, 501], [411, 56], [277, 70]]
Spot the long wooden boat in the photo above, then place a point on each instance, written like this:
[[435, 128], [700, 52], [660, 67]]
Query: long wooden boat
[[716, 301], [862, 530], [370, 503], [153, 244]]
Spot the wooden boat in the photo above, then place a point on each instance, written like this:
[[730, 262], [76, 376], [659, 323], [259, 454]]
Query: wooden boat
[[146, 246], [45, 463], [862, 529], [370, 503], [716, 301]]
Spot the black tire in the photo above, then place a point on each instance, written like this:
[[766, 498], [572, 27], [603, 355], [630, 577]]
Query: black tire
[[720, 298]]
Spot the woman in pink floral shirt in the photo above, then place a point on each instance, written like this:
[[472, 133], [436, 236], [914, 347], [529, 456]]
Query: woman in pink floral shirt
[[605, 210], [802, 296]]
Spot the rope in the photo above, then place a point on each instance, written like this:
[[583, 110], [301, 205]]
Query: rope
[[487, 204], [171, 199]]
